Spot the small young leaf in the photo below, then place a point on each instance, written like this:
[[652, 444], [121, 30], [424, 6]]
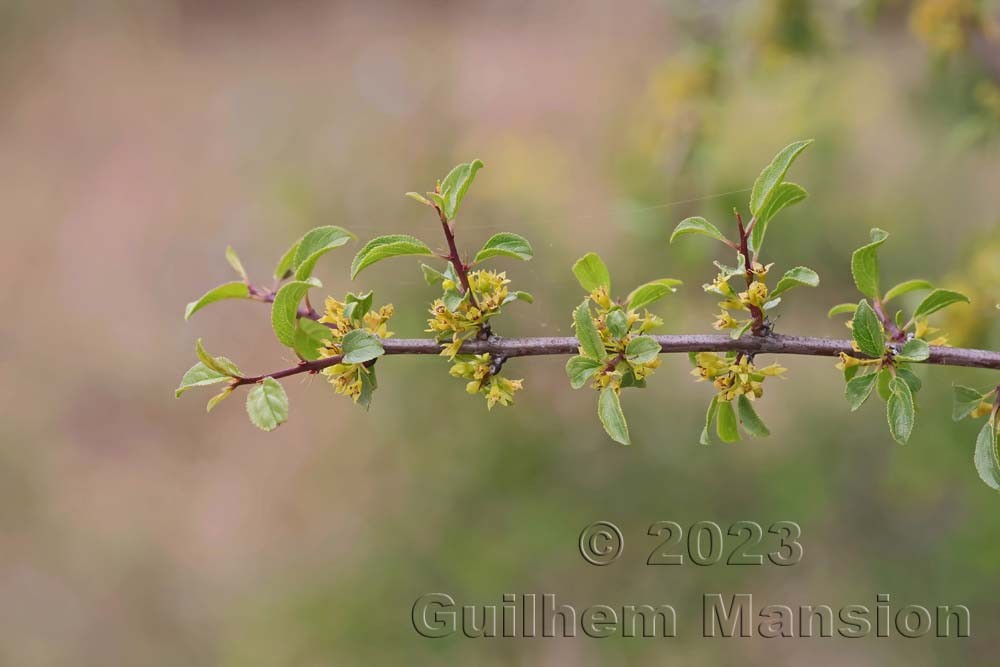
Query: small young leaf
[[218, 398], [842, 308], [884, 376], [642, 350], [267, 405], [868, 332], [645, 294], [316, 243], [752, 423], [617, 323], [987, 463], [784, 195], [199, 375], [910, 378], [864, 264], [286, 263], [431, 275], [591, 272], [773, 174], [965, 400], [938, 299], [369, 383], [579, 369], [713, 408], [233, 290], [609, 410], [383, 247], [518, 296], [507, 245], [217, 364], [697, 225], [284, 310], [900, 410], [453, 299], [914, 350], [358, 305], [586, 332], [234, 261], [310, 337], [905, 287], [456, 184], [416, 196], [859, 388], [725, 423], [800, 275], [359, 346]]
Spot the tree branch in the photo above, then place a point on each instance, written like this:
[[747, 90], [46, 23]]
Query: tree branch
[[507, 348]]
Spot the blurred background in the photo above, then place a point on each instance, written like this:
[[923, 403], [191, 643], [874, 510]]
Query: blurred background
[[140, 138]]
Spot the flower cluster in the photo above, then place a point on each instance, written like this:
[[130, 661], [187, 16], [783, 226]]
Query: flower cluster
[[618, 326], [734, 375], [355, 380], [755, 296], [461, 315]]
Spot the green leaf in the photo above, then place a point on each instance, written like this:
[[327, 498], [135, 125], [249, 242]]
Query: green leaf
[[310, 338], [914, 350], [910, 378], [431, 275], [199, 375], [938, 299], [591, 272], [900, 410], [267, 405], [518, 296], [868, 332], [987, 464], [586, 332], [713, 408], [505, 244], [642, 350], [864, 264], [359, 346], [217, 364], [609, 410], [800, 275], [453, 299], [698, 225], [859, 388], [358, 305], [233, 290], [654, 290], [286, 263], [784, 195], [456, 184], [316, 243], [752, 423], [234, 261], [884, 376], [617, 323], [369, 383], [579, 369], [285, 309], [725, 423], [383, 247], [416, 196], [906, 287], [964, 401], [773, 174], [842, 308], [218, 398]]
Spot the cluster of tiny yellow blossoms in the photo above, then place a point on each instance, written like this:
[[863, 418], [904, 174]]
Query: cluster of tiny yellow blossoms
[[351, 379], [462, 318], [622, 371], [739, 302], [945, 25], [734, 375]]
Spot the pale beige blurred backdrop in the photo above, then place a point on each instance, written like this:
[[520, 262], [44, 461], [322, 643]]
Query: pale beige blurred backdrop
[[139, 139]]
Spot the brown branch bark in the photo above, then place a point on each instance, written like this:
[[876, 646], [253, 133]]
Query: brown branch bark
[[773, 344]]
